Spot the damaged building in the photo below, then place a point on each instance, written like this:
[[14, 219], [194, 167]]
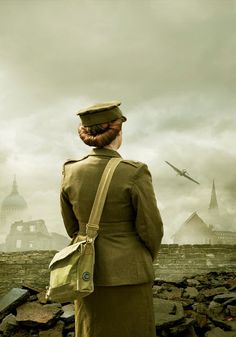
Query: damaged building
[[33, 235], [17, 233], [195, 230]]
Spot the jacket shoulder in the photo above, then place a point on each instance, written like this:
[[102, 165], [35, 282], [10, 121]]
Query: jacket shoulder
[[133, 163], [71, 161], [136, 168]]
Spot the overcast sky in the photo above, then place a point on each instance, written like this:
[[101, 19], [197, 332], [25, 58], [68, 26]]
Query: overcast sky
[[171, 63]]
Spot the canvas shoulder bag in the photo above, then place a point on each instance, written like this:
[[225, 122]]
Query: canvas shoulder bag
[[71, 269]]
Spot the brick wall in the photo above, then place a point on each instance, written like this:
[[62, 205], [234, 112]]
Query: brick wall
[[29, 268], [174, 261]]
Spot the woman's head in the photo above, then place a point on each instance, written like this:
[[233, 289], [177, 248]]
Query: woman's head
[[101, 124]]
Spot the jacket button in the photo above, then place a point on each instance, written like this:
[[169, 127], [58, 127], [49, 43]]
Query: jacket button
[[86, 276]]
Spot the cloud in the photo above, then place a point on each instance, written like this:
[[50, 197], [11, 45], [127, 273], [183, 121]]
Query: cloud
[[172, 65], [156, 49]]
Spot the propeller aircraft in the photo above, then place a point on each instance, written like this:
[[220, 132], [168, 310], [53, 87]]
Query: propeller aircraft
[[182, 173]]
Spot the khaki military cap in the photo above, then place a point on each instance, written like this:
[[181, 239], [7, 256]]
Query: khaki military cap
[[101, 113]]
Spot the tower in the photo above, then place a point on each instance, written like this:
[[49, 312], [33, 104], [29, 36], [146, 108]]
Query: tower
[[213, 206], [13, 208]]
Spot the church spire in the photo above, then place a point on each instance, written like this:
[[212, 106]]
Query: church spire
[[213, 207], [14, 186]]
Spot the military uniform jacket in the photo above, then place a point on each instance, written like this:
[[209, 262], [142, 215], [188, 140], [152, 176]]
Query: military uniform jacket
[[130, 227]]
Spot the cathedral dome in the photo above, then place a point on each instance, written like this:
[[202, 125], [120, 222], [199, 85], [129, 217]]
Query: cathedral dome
[[14, 200]]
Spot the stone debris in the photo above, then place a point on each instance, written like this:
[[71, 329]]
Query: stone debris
[[11, 300], [35, 317], [8, 325], [231, 310], [218, 332], [199, 306], [186, 328], [33, 314], [56, 331], [190, 292], [225, 297], [68, 313], [167, 313], [41, 296], [208, 302]]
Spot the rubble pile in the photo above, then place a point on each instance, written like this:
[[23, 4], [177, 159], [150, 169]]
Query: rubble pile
[[200, 306], [24, 312]]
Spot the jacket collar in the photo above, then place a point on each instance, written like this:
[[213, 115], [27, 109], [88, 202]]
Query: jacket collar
[[104, 152]]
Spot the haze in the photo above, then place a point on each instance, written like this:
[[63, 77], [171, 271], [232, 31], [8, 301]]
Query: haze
[[171, 63]]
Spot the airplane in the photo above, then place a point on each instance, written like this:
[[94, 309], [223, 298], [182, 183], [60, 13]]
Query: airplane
[[182, 173]]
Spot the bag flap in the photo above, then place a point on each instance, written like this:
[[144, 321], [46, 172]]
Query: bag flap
[[65, 252]]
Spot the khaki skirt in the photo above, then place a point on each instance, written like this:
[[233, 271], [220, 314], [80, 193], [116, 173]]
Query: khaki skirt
[[116, 311]]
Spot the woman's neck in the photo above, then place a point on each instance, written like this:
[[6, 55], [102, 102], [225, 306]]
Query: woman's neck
[[111, 147], [116, 143]]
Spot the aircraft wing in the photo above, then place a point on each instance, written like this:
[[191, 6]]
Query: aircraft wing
[[175, 168], [186, 176]]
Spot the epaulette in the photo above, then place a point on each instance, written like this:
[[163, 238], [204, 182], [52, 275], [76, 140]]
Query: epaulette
[[71, 161], [133, 163]]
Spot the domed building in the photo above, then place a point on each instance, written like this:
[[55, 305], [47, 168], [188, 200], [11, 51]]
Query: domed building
[[18, 233], [13, 208]]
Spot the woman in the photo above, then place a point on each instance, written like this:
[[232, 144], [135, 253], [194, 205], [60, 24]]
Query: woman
[[129, 236]]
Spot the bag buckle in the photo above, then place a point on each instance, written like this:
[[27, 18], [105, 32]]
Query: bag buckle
[[92, 232]]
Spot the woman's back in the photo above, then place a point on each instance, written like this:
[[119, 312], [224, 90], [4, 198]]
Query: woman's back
[[122, 256]]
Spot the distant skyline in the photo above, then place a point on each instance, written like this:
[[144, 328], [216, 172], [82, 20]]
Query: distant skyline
[[171, 63]]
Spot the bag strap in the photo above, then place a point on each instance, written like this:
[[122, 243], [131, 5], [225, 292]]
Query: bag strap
[[96, 212]]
